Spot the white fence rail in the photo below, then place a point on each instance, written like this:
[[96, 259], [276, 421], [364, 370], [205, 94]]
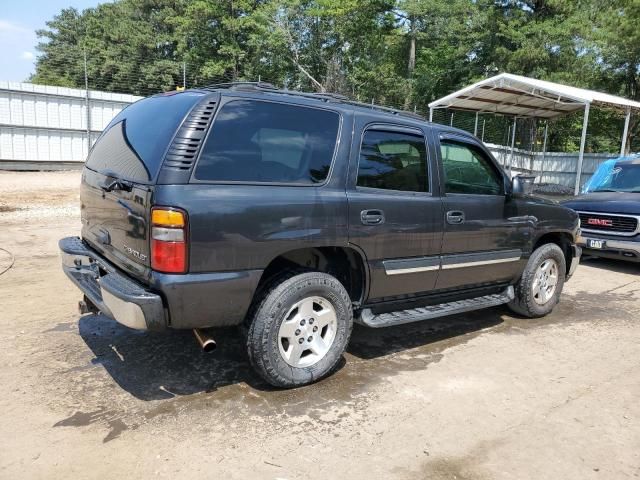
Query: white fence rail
[[552, 167], [53, 127]]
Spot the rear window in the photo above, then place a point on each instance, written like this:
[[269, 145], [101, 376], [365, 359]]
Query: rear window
[[133, 144], [254, 141]]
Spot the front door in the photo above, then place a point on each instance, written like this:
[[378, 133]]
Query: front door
[[393, 215], [483, 236]]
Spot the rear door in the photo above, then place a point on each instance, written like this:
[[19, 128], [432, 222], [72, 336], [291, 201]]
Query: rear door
[[394, 216], [115, 222], [118, 180], [484, 235]]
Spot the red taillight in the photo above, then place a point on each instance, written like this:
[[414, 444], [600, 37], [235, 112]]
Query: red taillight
[[168, 240], [168, 257]]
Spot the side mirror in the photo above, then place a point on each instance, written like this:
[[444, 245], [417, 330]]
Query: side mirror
[[522, 185]]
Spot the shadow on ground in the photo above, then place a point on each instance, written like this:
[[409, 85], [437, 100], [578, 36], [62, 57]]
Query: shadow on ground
[[369, 343], [155, 366], [618, 266], [160, 365]]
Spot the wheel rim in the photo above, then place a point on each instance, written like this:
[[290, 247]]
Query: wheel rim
[[307, 332], [545, 281]]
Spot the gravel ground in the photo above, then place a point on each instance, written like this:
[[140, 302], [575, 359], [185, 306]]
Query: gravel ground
[[34, 196], [477, 396]]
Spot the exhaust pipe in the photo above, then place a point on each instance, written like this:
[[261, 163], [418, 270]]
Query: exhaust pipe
[[207, 343]]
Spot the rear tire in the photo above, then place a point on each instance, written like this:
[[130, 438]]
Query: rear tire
[[540, 286], [300, 329]]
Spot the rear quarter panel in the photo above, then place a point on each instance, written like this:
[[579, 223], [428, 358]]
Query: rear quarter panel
[[235, 227], [244, 227]]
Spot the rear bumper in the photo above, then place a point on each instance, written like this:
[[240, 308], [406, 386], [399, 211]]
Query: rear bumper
[[113, 293], [196, 300], [614, 248]]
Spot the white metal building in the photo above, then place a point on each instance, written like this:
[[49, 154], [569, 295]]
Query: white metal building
[[52, 127]]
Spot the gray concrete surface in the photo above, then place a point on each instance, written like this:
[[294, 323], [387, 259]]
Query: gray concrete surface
[[478, 396]]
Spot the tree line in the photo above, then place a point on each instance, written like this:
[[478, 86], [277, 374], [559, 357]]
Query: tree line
[[402, 53]]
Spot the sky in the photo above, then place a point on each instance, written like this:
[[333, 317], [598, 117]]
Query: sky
[[19, 20]]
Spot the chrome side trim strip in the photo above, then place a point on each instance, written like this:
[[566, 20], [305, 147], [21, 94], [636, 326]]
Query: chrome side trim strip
[[446, 262], [400, 266], [478, 263], [399, 271], [464, 260]]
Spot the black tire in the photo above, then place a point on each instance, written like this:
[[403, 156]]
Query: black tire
[[524, 302], [269, 313]]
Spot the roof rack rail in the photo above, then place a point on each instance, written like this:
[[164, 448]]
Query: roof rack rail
[[395, 111], [241, 86], [324, 96], [335, 96]]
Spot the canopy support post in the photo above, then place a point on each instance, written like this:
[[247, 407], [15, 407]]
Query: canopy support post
[[625, 132], [583, 141], [475, 127], [513, 141], [430, 114], [544, 148]]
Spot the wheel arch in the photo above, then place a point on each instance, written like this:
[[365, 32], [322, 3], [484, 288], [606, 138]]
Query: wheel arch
[[562, 239], [346, 263]]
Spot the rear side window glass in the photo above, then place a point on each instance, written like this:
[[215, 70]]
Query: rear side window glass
[[393, 161], [253, 141], [467, 169], [133, 144]]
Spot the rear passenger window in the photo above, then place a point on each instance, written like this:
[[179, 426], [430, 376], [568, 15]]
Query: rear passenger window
[[253, 141], [393, 161]]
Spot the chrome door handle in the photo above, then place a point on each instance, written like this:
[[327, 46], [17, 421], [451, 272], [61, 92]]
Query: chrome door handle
[[372, 217], [455, 217]]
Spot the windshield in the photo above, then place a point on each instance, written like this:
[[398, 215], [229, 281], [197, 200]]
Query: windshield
[[614, 176]]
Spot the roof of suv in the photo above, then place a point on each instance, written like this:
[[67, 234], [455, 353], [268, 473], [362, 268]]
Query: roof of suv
[[261, 89]]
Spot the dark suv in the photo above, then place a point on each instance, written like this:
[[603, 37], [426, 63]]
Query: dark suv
[[296, 215]]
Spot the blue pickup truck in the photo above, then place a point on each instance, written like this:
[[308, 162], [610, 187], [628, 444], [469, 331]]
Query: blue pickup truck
[[609, 210]]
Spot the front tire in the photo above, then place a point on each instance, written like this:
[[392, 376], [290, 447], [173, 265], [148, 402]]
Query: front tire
[[300, 329], [540, 286]]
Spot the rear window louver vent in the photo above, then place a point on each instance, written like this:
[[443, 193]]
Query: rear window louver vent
[[186, 144]]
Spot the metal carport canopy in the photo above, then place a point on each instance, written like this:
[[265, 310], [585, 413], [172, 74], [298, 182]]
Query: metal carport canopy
[[514, 95], [524, 97]]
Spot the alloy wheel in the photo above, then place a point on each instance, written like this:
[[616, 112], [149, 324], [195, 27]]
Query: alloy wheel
[[545, 281], [307, 332]]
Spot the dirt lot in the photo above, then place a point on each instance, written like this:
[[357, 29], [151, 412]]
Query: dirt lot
[[477, 396]]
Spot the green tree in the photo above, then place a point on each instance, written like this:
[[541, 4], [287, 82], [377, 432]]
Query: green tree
[[616, 42], [402, 53], [129, 45]]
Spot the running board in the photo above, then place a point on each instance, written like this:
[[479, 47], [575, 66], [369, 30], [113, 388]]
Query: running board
[[368, 318]]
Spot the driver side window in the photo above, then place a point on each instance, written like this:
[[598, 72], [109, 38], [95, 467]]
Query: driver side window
[[468, 170]]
